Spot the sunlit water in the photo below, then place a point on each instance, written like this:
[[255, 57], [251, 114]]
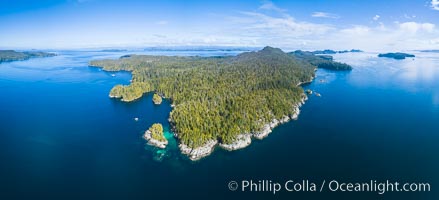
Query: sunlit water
[[61, 137]]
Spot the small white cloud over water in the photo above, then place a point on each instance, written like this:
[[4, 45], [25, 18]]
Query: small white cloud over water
[[325, 15]]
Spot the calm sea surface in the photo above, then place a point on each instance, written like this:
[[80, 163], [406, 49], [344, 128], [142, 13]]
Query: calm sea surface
[[61, 137]]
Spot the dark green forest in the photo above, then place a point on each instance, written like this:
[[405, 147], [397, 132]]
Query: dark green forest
[[397, 55], [157, 132], [217, 98], [157, 99], [11, 55], [321, 61]]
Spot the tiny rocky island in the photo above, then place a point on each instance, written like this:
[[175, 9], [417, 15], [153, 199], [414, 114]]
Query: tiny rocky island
[[154, 136], [11, 55], [397, 55], [223, 101], [157, 99]]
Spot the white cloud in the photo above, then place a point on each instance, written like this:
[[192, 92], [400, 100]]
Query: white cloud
[[356, 30], [282, 26], [413, 27], [257, 27], [268, 5], [376, 17], [325, 15], [396, 36], [280, 29], [435, 4]]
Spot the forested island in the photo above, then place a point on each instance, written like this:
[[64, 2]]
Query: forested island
[[430, 51], [321, 61], [226, 100], [329, 51], [11, 55], [154, 136], [397, 55]]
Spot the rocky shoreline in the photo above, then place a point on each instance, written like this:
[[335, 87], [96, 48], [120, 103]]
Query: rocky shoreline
[[153, 142], [242, 140], [199, 152], [310, 80], [267, 128]]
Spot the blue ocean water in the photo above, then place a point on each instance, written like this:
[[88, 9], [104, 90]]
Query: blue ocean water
[[61, 137]]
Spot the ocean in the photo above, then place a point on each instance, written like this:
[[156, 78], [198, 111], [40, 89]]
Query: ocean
[[62, 137]]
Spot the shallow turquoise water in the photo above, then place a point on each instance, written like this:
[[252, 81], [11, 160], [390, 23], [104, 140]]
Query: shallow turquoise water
[[62, 137]]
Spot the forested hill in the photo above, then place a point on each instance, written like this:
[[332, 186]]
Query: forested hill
[[11, 55], [397, 55], [217, 98], [321, 61]]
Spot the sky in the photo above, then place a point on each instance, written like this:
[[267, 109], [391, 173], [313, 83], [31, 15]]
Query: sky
[[289, 24]]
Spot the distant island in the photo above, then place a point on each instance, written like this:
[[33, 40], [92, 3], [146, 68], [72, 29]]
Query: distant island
[[198, 48], [113, 50], [320, 61], [329, 51], [397, 55], [223, 101], [11, 55], [430, 51]]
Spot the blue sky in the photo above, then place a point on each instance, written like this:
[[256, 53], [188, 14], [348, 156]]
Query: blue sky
[[312, 24]]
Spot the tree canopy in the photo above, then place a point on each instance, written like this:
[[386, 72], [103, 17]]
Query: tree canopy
[[397, 55], [321, 61], [157, 99], [157, 132], [11, 55], [217, 98]]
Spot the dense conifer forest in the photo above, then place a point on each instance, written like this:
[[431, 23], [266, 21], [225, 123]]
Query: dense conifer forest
[[218, 98], [11, 55], [157, 132], [397, 55]]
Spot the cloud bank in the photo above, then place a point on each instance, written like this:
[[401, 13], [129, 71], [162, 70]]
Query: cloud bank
[[272, 25]]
